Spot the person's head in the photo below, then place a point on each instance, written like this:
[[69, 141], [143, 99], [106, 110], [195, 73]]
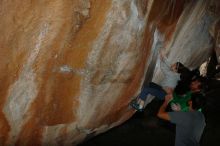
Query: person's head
[[177, 67], [197, 101], [196, 84]]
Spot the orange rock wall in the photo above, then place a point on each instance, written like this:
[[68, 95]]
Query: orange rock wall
[[69, 68]]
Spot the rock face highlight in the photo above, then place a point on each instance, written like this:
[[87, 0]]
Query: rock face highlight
[[69, 68]]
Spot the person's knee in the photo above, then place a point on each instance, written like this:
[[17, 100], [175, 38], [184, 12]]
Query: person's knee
[[169, 90]]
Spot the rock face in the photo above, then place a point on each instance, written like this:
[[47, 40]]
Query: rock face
[[69, 68]]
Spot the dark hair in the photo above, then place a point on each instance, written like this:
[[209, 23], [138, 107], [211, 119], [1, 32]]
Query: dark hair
[[181, 88], [185, 79], [201, 80], [180, 67], [198, 100]]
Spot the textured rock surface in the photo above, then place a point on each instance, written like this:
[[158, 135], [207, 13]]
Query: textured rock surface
[[69, 68]]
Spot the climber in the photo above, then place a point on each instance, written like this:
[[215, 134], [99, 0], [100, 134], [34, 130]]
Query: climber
[[180, 102], [172, 75], [190, 124], [186, 76]]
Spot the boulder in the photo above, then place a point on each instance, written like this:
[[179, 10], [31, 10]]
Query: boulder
[[69, 68]]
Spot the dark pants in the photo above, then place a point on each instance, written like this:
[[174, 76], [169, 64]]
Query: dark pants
[[153, 89]]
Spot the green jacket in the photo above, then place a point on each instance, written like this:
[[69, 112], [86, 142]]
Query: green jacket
[[182, 100]]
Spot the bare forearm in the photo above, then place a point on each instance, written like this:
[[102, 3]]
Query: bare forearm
[[162, 111], [163, 107]]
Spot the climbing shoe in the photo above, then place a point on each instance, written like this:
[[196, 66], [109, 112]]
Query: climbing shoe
[[136, 106]]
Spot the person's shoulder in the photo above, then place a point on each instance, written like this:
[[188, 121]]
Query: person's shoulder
[[179, 117], [199, 117], [178, 113], [199, 113]]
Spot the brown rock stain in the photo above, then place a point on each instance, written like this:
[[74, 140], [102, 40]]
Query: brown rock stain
[[60, 105], [8, 75], [4, 128], [32, 134], [81, 45], [11, 63], [55, 103]]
